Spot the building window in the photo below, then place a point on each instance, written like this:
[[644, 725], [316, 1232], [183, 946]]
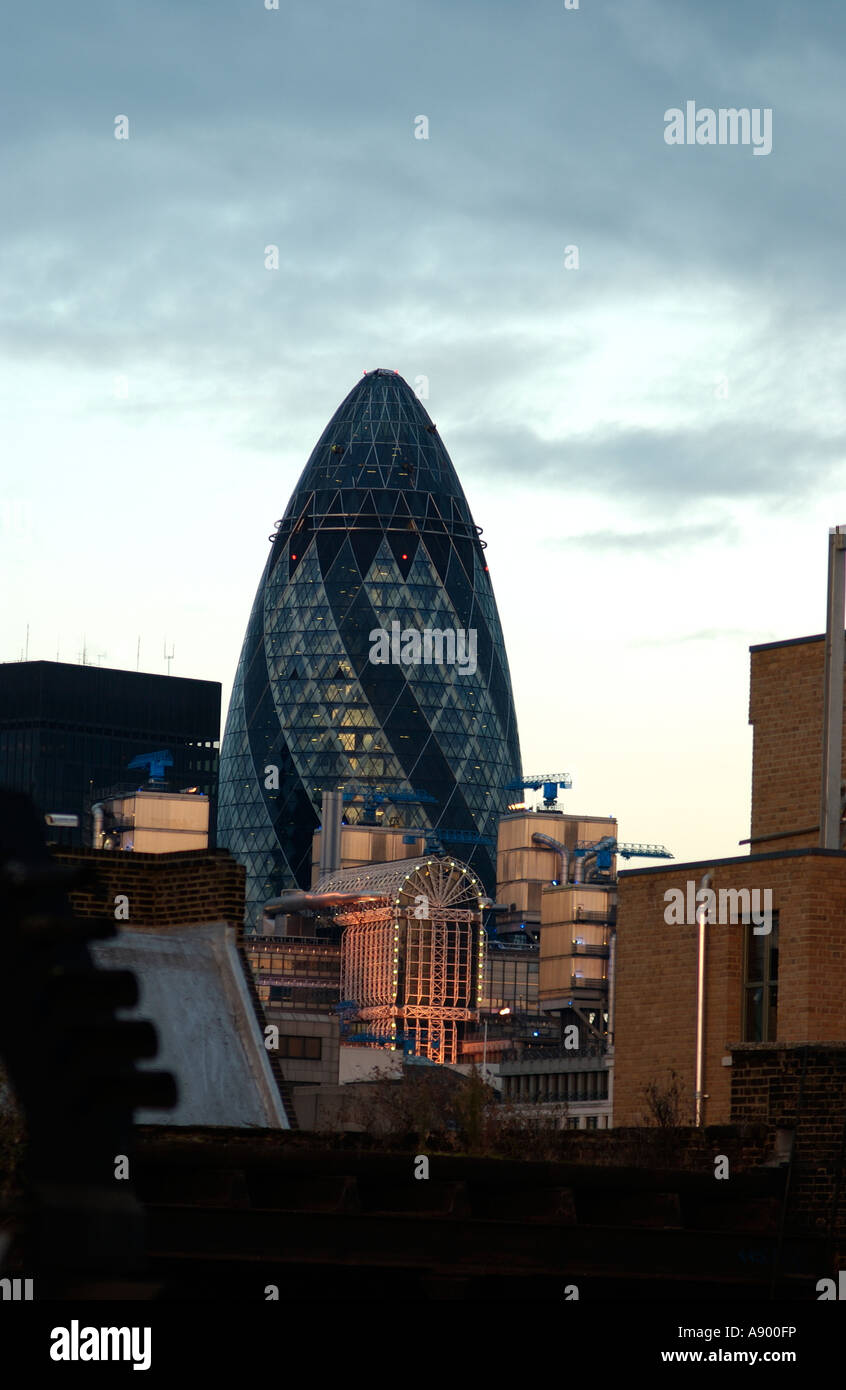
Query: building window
[[760, 984], [307, 1049]]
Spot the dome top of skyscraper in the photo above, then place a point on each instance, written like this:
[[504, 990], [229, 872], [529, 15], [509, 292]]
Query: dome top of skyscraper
[[382, 438]]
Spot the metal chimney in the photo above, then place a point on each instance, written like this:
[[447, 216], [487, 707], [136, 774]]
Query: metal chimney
[[330, 833]]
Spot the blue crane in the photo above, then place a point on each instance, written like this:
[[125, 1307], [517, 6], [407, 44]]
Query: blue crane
[[434, 839], [550, 781], [604, 849], [373, 798], [155, 762]]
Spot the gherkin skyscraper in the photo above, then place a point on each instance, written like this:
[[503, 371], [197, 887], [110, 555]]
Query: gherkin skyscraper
[[373, 658]]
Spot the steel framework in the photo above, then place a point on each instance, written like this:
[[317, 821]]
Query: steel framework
[[413, 959]]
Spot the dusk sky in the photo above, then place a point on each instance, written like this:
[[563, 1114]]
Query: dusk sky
[[653, 440]]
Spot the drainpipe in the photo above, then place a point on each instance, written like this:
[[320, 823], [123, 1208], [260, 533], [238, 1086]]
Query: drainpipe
[[612, 986], [835, 652], [699, 1091], [97, 813]]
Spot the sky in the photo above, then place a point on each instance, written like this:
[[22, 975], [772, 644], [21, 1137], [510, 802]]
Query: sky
[[634, 350]]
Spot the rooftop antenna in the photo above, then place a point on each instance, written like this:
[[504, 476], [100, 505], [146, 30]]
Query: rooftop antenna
[[168, 655], [26, 658], [138, 654], [84, 653]]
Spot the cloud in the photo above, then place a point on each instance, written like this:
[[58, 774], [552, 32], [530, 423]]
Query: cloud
[[442, 257], [741, 461], [655, 542]]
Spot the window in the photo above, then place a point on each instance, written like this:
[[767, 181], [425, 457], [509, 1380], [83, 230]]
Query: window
[[760, 984], [307, 1049]]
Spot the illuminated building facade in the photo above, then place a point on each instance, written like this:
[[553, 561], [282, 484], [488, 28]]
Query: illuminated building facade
[[412, 952]]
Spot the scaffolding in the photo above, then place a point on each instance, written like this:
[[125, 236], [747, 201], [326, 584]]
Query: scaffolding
[[413, 953]]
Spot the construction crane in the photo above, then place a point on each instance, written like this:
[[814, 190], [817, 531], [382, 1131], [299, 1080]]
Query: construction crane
[[550, 781], [603, 850], [372, 798], [154, 762], [434, 839], [608, 844], [596, 853], [631, 851]]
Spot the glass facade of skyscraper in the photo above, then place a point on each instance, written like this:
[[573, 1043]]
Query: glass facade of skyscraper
[[373, 658]]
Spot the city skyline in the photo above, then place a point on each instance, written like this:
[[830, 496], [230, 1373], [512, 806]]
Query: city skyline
[[633, 348], [422, 672]]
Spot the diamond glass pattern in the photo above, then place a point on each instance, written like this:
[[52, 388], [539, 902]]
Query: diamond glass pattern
[[377, 532]]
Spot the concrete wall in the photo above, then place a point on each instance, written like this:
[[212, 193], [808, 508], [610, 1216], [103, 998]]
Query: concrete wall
[[367, 844], [322, 1071], [193, 988], [523, 868], [163, 822], [362, 1063], [560, 925]]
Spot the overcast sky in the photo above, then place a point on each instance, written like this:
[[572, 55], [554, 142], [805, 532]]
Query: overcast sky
[[653, 441]]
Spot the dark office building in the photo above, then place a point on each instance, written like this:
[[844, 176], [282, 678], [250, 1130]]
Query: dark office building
[[68, 734], [374, 657]]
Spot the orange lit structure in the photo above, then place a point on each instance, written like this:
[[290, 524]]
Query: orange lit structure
[[412, 953]]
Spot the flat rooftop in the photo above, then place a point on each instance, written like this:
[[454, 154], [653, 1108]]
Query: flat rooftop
[[787, 642]]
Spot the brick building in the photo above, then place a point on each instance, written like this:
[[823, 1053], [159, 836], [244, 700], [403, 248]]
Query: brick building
[[799, 1092], [786, 714], [164, 890], [783, 986], [183, 889]]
